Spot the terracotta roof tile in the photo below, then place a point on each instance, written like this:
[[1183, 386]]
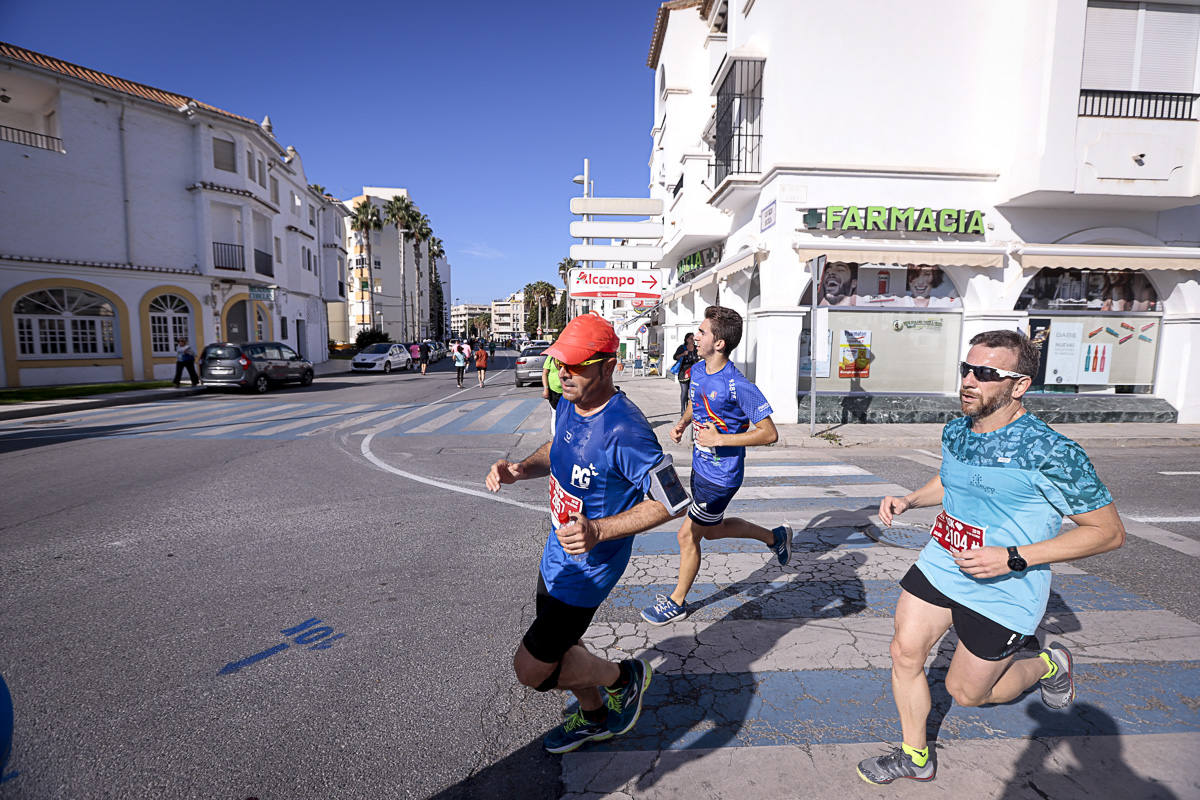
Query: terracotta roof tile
[[98, 78], [660, 27]]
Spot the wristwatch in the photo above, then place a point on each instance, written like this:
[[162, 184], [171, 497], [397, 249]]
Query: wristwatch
[[1015, 562]]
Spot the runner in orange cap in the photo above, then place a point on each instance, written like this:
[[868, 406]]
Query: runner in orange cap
[[609, 479]]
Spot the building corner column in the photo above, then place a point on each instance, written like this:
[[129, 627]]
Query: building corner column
[[778, 337]]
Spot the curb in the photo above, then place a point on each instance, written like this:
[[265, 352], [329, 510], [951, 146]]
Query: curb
[[67, 405]]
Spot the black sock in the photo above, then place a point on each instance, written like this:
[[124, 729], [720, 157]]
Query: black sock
[[624, 678], [596, 715]]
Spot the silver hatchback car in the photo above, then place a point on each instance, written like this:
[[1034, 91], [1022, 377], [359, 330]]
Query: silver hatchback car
[[528, 368], [254, 365]]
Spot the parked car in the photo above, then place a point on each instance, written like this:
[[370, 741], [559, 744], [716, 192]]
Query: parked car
[[539, 343], [253, 365], [381, 357], [529, 365]]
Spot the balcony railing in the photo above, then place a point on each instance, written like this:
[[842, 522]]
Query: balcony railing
[[738, 129], [30, 139], [1137, 105], [263, 264], [228, 256]]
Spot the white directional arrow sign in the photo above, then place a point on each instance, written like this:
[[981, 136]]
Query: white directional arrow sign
[[613, 252], [616, 229], [644, 284]]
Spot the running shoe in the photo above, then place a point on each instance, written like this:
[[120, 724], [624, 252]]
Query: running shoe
[[625, 705], [896, 764], [663, 611], [782, 548], [575, 732], [1058, 691]]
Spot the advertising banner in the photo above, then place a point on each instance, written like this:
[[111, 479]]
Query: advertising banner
[[854, 354], [643, 284]]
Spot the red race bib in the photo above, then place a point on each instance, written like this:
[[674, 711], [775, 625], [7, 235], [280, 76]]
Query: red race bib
[[954, 534], [562, 504]]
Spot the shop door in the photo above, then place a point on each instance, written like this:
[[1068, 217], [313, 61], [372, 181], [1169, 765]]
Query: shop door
[[301, 342], [237, 323]]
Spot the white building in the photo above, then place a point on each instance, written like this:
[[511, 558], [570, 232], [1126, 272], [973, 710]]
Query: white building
[[402, 278], [508, 317], [963, 165], [461, 315], [143, 215]]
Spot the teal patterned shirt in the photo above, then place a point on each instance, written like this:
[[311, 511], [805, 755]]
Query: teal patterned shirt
[[1017, 483]]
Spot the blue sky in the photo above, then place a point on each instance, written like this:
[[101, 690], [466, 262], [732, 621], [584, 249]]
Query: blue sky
[[484, 111]]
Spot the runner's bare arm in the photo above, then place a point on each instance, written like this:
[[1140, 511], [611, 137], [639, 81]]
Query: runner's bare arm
[[1098, 532], [762, 433], [682, 426], [928, 495], [582, 534], [536, 466]]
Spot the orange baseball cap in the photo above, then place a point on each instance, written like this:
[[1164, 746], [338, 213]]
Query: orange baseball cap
[[584, 337]]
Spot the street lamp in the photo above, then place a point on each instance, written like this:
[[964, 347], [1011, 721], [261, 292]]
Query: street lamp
[[584, 180]]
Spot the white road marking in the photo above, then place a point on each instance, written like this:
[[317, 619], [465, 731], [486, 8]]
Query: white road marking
[[798, 471], [1164, 519], [450, 415], [1137, 527], [1184, 472]]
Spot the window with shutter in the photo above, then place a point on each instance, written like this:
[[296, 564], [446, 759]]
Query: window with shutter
[[1168, 53]]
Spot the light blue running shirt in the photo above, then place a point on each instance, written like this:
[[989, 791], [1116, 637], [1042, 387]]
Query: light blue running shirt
[[1018, 483]]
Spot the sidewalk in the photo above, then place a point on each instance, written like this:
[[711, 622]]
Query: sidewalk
[[659, 400]]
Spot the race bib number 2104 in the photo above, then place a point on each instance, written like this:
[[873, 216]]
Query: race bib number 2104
[[562, 504], [954, 534]]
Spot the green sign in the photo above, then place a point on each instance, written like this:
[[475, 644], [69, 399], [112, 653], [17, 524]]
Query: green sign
[[884, 218], [696, 262], [365, 286], [262, 293]]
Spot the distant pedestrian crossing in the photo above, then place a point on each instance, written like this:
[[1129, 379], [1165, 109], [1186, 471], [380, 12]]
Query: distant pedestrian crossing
[[218, 418], [783, 660]]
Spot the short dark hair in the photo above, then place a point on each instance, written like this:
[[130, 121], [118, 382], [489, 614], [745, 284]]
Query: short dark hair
[[1029, 355], [726, 324]]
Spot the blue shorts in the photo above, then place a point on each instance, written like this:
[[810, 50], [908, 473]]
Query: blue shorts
[[709, 501]]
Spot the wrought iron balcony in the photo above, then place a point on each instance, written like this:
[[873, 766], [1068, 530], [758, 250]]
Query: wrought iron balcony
[[31, 139], [228, 256], [1137, 105], [263, 264]]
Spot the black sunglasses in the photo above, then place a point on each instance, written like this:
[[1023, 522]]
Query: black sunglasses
[[987, 374]]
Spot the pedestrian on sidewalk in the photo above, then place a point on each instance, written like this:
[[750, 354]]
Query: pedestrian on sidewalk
[[603, 460], [185, 358], [686, 356], [423, 354], [727, 413], [460, 363], [551, 385], [481, 364], [1006, 481], [491, 349]]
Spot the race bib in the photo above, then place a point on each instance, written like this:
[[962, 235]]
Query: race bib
[[562, 504], [954, 534], [696, 428]]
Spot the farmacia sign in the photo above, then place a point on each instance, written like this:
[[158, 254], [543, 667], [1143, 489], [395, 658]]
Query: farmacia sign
[[884, 218]]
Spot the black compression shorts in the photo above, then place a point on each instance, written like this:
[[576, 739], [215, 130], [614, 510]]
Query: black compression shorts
[[556, 628], [984, 637]]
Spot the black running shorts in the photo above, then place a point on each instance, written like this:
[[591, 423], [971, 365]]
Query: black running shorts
[[556, 628], [985, 638]]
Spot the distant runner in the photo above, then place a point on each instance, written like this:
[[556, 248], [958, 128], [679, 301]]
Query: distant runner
[[603, 460], [481, 363], [1006, 481], [424, 354], [729, 414]]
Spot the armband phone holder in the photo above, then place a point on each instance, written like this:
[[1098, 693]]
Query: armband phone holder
[[666, 488]]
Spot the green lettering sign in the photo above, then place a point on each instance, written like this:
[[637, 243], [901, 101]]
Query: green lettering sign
[[926, 221], [876, 218], [947, 220], [902, 219], [976, 223], [853, 220], [885, 218], [833, 217]]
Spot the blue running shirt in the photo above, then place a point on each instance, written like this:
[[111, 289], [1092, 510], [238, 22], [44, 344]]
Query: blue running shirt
[[600, 464], [732, 403], [1018, 483]]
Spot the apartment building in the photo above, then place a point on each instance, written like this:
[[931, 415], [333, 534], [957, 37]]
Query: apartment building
[[144, 215], [461, 315], [508, 317], [957, 167]]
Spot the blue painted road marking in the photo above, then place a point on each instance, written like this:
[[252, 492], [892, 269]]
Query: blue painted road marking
[[234, 666], [306, 633]]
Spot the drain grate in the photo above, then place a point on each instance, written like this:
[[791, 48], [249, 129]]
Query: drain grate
[[901, 534]]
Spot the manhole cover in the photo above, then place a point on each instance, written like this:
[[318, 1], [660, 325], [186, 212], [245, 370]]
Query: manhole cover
[[46, 422], [901, 534]]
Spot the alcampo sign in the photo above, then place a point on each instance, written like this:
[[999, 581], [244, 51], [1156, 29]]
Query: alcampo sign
[[883, 218]]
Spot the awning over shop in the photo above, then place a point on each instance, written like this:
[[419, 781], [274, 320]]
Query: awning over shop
[[1065, 256], [744, 259], [862, 252]]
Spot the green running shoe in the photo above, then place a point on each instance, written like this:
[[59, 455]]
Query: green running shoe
[[896, 764], [1058, 691], [574, 733], [625, 705]]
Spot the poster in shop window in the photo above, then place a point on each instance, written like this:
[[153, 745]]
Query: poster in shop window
[[1059, 343], [854, 354]]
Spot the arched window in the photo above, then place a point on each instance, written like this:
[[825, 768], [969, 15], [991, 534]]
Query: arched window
[[1115, 290], [260, 324], [65, 322], [170, 319]]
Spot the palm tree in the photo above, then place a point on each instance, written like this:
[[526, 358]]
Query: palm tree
[[564, 268], [399, 211], [419, 231], [481, 324], [364, 219], [433, 252]]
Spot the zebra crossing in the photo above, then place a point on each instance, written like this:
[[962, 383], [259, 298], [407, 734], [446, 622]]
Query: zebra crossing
[[781, 676], [219, 418]]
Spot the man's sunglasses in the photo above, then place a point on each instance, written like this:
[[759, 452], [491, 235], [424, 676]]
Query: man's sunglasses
[[987, 374], [575, 369]]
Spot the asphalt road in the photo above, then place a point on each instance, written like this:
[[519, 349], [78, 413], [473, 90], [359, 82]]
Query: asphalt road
[[137, 566], [231, 596]]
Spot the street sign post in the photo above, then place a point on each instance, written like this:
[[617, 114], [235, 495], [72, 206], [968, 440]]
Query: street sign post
[[644, 284]]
